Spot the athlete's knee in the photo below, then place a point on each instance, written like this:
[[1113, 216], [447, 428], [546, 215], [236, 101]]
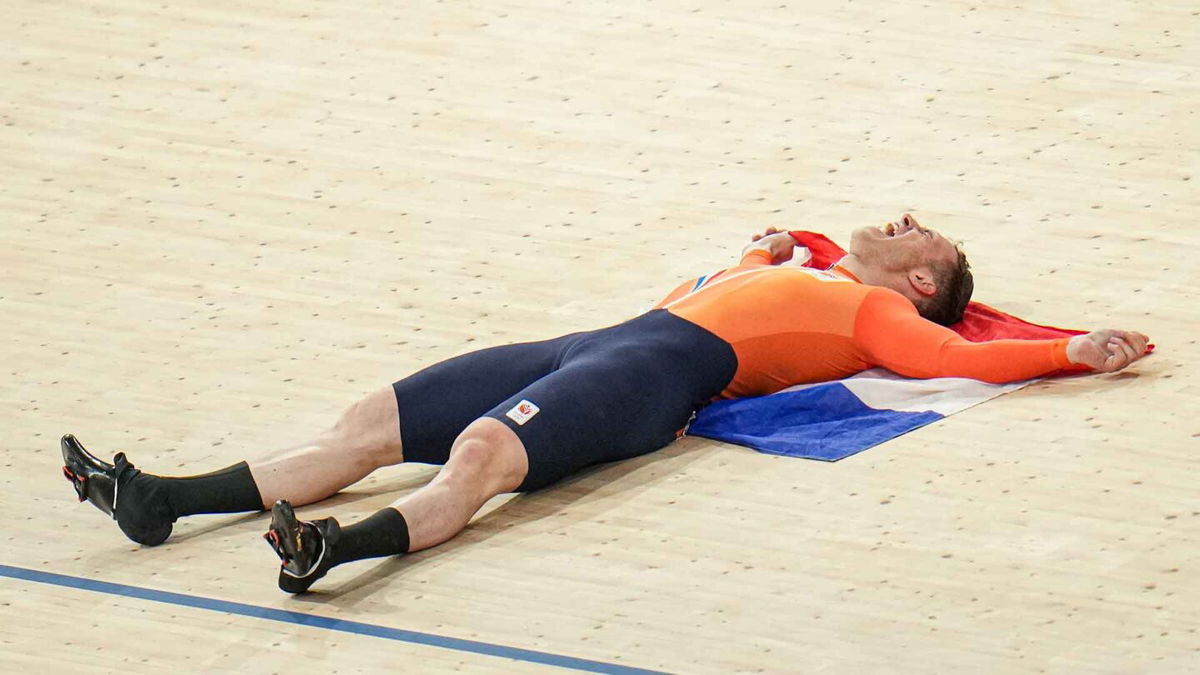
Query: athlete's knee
[[371, 426], [488, 452]]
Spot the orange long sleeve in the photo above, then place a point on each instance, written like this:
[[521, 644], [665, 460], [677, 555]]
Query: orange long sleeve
[[892, 334], [792, 325]]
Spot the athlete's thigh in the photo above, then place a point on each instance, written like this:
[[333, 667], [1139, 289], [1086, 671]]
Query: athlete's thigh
[[601, 410], [437, 403]]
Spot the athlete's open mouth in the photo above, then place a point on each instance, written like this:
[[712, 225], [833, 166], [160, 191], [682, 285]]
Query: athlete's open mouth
[[897, 229]]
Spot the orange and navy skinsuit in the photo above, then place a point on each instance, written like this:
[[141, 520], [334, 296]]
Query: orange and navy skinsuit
[[792, 325], [628, 389]]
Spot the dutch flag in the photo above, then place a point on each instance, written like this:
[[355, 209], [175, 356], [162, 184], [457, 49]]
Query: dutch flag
[[832, 420]]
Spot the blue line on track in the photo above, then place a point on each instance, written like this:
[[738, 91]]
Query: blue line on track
[[302, 619]]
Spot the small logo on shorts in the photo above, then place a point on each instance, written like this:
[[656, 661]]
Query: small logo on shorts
[[522, 412]]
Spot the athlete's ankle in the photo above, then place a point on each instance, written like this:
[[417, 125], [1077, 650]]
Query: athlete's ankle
[[228, 490], [381, 534]]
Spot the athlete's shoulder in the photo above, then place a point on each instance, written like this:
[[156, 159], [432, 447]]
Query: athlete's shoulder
[[886, 303], [884, 312], [887, 296]]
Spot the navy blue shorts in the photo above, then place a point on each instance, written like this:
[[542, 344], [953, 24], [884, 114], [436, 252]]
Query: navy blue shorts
[[574, 401]]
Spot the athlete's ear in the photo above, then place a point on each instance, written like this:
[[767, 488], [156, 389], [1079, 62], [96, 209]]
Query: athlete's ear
[[921, 279]]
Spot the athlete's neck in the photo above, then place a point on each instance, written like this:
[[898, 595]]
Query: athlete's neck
[[852, 267], [872, 275]]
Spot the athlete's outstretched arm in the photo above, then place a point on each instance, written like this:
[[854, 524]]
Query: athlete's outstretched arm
[[894, 336]]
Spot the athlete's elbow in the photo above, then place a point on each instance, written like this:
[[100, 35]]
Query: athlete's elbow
[[997, 379], [993, 377], [989, 375]]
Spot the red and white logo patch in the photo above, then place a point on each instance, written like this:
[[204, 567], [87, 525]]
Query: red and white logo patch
[[522, 412]]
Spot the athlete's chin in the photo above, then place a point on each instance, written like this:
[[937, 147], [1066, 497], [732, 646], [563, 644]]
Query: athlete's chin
[[864, 239]]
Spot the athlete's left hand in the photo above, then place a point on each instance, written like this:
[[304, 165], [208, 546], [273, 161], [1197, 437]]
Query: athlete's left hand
[[778, 243], [768, 232], [1107, 351]]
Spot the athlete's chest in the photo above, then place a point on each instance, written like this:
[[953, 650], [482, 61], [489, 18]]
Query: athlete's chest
[[792, 302]]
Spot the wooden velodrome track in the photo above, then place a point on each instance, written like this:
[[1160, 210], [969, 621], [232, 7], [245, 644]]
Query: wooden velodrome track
[[224, 221]]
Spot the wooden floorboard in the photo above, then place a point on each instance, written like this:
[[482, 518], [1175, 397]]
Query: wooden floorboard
[[223, 222]]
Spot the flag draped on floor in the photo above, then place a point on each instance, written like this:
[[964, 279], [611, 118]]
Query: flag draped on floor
[[832, 420]]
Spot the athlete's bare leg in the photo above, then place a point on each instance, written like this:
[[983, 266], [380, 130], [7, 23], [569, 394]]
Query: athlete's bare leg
[[365, 437], [487, 459]]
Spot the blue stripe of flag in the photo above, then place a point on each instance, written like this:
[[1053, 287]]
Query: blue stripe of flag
[[826, 422]]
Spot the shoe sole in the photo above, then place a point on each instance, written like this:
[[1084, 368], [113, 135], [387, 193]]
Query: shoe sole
[[89, 475], [284, 532], [284, 536]]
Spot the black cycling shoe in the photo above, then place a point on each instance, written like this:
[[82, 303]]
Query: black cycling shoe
[[132, 498], [305, 549]]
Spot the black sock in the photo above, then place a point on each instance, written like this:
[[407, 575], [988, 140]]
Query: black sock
[[230, 490], [385, 533]]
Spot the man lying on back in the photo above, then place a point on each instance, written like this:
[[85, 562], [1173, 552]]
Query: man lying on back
[[523, 416]]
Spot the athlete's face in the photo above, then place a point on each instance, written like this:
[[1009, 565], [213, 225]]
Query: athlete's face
[[901, 246]]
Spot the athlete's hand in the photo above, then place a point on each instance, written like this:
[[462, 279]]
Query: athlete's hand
[[768, 232], [774, 241], [1107, 351]]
